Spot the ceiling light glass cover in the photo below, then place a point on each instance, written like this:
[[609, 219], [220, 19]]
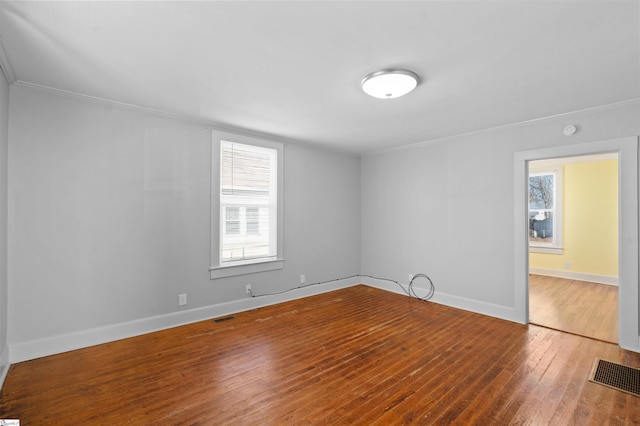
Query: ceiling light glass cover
[[389, 83]]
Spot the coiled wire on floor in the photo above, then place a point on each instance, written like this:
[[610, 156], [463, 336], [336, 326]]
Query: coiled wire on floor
[[430, 290], [409, 290]]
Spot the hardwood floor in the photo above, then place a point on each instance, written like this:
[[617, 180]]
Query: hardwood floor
[[584, 308], [354, 356]]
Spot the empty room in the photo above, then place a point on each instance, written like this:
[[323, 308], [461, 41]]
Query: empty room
[[310, 212]]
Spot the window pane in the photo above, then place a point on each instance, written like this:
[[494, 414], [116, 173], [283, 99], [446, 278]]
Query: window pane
[[232, 220], [541, 226], [248, 179], [253, 221], [237, 249], [244, 171], [541, 191], [542, 196]]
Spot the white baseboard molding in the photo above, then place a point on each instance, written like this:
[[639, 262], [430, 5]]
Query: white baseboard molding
[[579, 276], [498, 311], [631, 347], [24, 351], [4, 369], [4, 365]]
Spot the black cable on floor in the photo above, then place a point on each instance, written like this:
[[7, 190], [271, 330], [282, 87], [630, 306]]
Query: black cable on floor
[[302, 286], [409, 291]]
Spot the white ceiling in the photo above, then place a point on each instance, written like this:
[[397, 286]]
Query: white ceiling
[[294, 68]]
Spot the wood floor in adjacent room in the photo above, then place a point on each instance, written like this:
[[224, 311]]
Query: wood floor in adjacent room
[[580, 307], [353, 356]]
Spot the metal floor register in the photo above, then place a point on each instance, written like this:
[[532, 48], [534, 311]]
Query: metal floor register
[[616, 376]]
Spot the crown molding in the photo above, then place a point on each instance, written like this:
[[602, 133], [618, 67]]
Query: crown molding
[[209, 124], [445, 139], [213, 125], [6, 66]]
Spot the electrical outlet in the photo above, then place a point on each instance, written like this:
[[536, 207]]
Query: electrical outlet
[[410, 277], [567, 265], [303, 279], [247, 289], [182, 299]]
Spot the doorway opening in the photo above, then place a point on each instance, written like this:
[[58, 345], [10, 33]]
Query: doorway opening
[[573, 244], [628, 248]]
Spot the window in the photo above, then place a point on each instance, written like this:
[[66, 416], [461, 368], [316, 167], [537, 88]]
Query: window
[[545, 209], [253, 220], [246, 205], [231, 220]]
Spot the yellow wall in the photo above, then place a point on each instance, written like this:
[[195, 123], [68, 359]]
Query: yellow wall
[[590, 221]]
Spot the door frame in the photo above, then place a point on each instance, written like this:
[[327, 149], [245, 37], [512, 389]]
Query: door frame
[[628, 301]]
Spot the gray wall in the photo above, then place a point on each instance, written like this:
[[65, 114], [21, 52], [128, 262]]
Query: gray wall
[[446, 208], [90, 247], [4, 144]]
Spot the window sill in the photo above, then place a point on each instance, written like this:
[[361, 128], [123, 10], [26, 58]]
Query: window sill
[[546, 250], [245, 268]]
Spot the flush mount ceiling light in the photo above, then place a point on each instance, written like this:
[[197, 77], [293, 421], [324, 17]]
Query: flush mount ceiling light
[[389, 83]]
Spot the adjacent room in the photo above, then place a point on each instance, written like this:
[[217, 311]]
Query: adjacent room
[[300, 212], [573, 245]]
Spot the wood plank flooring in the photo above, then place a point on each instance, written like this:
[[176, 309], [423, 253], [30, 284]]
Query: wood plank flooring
[[354, 356], [584, 308]]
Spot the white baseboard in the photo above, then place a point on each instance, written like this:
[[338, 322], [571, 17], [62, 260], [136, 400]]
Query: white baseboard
[[24, 351], [503, 312], [4, 365], [4, 369], [579, 276]]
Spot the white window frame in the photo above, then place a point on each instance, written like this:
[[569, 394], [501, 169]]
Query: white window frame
[[219, 269], [544, 168]]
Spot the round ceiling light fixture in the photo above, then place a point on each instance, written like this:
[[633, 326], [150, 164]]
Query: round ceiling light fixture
[[389, 83]]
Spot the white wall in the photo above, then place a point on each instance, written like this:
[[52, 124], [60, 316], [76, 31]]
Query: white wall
[[4, 144], [91, 248], [446, 208]]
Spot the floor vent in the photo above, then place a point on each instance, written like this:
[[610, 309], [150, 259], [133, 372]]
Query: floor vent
[[616, 376], [223, 319]]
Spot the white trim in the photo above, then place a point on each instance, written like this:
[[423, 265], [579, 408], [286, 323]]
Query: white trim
[[547, 250], [4, 365], [24, 351], [225, 271], [502, 127], [557, 170], [578, 276], [628, 303], [141, 109], [210, 124], [217, 269], [498, 311], [253, 133], [4, 370], [596, 158]]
